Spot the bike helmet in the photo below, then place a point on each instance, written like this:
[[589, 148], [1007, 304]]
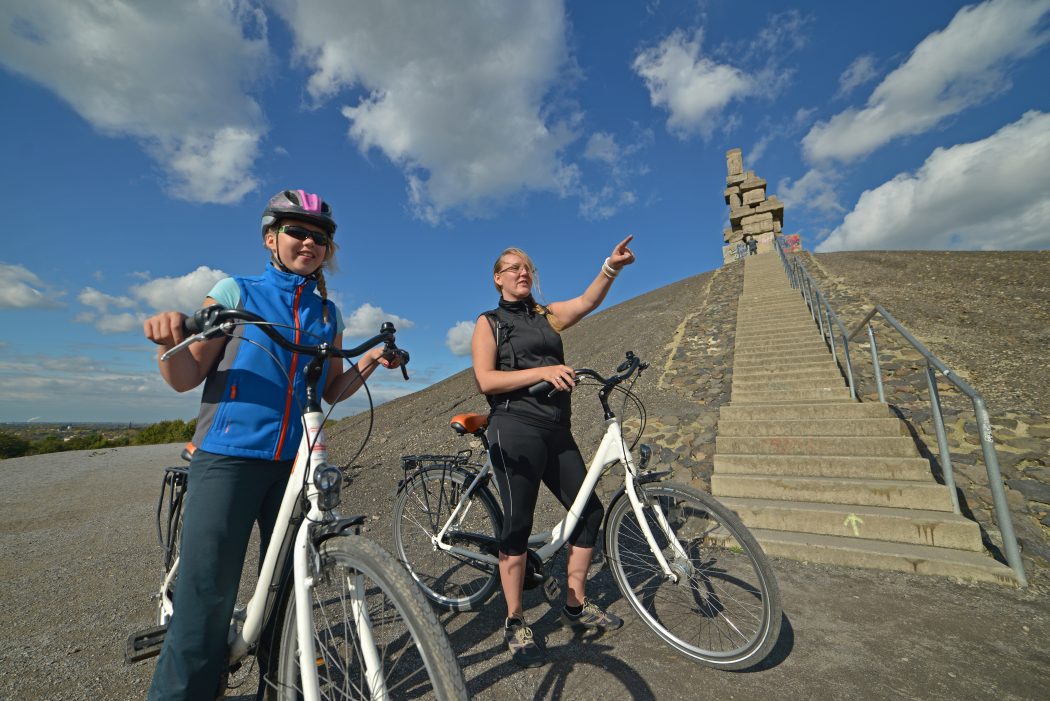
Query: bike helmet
[[300, 205]]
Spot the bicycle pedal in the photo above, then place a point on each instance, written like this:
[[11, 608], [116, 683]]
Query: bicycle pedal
[[144, 644], [552, 590]]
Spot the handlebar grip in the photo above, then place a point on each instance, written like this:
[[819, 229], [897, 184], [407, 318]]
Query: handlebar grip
[[542, 389], [191, 325], [201, 319]]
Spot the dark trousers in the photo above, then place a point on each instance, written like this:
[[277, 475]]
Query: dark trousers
[[225, 496], [524, 455]]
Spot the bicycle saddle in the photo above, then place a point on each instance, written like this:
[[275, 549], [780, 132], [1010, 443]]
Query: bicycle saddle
[[469, 423]]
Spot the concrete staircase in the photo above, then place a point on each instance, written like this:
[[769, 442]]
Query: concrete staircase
[[817, 476]]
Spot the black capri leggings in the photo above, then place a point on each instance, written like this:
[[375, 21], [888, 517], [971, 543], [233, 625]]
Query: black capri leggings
[[522, 455]]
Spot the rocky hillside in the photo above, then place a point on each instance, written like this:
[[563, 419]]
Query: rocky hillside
[[987, 315]]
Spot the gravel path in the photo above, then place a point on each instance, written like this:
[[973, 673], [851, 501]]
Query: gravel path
[[78, 561]]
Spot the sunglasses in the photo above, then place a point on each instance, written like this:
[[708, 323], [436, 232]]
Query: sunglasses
[[300, 234]]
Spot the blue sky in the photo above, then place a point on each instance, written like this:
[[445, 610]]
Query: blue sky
[[141, 140]]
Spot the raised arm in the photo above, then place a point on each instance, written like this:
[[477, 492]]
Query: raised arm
[[572, 310], [185, 370], [493, 381]]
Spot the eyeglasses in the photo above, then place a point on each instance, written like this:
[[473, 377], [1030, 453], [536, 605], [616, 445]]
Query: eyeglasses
[[514, 269], [300, 234]]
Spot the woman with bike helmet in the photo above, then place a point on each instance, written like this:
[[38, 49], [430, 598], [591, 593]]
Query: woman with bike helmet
[[515, 346], [248, 429]]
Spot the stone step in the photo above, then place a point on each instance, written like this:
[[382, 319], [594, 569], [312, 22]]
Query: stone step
[[826, 372], [778, 385], [900, 494], [773, 349], [767, 307], [895, 446], [812, 427], [797, 319], [773, 336], [917, 526], [767, 332], [891, 468], [900, 557], [806, 395], [785, 363], [842, 410]]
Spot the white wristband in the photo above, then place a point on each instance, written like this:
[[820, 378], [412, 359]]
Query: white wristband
[[608, 270]]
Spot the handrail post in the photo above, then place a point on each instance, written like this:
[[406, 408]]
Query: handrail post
[[820, 317], [831, 331], [995, 483], [875, 364], [809, 297], [849, 368], [942, 437], [831, 336]]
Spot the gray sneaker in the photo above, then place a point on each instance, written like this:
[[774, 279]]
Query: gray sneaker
[[522, 644], [591, 618]]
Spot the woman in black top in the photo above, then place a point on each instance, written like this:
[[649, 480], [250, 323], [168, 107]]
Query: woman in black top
[[517, 345]]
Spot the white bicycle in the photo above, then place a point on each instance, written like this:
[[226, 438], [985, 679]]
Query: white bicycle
[[349, 622], [685, 563]]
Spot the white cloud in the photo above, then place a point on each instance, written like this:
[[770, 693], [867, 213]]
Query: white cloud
[[694, 89], [948, 72], [90, 297], [455, 94], [89, 390], [459, 336], [989, 194], [171, 75], [185, 293], [616, 192], [366, 320], [861, 71], [815, 191], [22, 289]]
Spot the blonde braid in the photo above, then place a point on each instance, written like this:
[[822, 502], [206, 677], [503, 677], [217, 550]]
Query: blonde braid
[[323, 289]]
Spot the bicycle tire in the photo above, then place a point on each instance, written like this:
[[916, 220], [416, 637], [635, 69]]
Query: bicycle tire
[[423, 507], [724, 611], [417, 658]]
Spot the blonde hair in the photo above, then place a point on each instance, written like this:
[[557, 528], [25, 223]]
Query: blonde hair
[[329, 263], [537, 307]]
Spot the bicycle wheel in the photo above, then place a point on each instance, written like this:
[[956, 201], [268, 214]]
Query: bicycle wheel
[[415, 657], [724, 610], [423, 507]]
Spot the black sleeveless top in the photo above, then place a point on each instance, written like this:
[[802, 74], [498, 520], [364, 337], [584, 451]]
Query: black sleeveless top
[[524, 340]]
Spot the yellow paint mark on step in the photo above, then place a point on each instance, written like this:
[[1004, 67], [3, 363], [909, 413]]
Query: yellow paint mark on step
[[853, 520]]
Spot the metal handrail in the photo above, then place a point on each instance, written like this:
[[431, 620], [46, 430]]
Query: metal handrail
[[801, 280]]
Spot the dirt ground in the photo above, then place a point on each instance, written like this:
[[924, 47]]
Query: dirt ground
[[79, 559]]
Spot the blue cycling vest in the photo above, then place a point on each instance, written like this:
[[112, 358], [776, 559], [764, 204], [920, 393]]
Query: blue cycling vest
[[251, 407]]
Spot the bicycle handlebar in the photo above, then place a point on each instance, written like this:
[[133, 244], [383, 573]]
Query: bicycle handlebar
[[216, 320], [624, 370]]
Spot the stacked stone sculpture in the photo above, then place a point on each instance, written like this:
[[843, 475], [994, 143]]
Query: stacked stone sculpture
[[751, 213]]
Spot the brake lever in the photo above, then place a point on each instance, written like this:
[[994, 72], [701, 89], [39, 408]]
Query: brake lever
[[186, 342]]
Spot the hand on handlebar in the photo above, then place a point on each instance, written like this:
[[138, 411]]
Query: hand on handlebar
[[165, 329], [562, 378]]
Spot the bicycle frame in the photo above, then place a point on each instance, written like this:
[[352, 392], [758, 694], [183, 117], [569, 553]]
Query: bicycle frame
[[312, 454], [612, 449]]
